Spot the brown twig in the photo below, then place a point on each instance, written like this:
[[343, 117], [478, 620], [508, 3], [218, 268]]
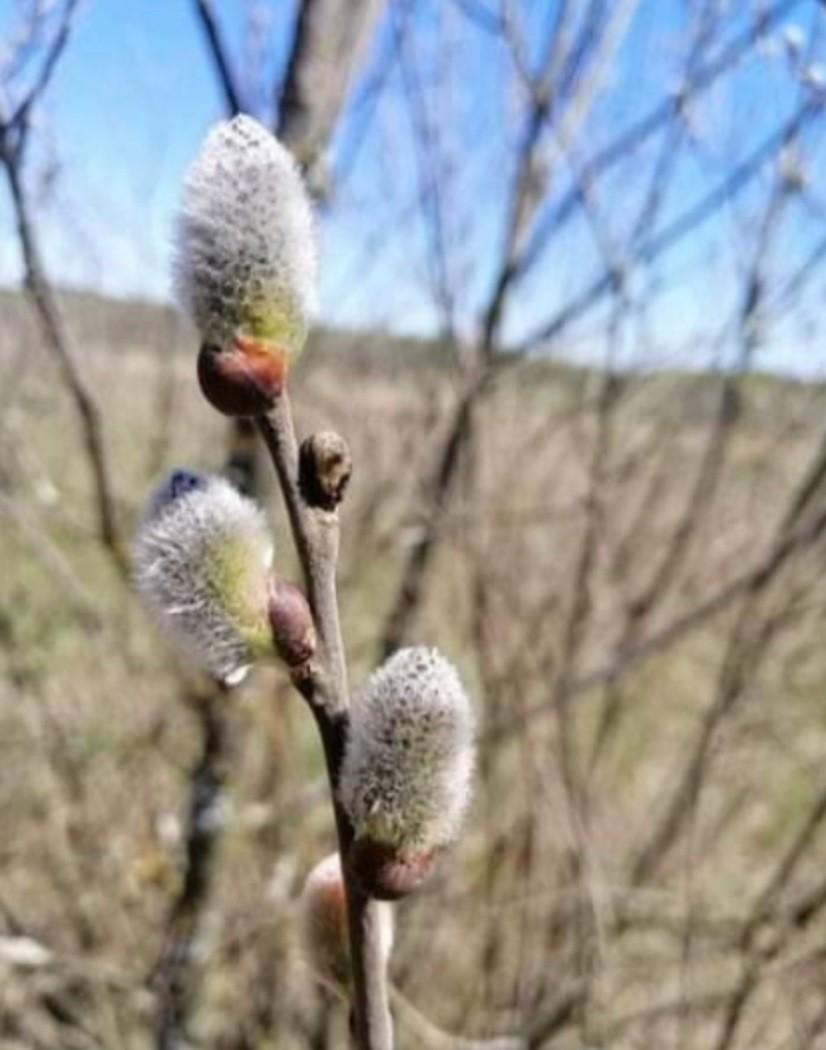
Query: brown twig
[[691, 219], [14, 130], [330, 37], [702, 492], [45, 306], [232, 96], [324, 685], [516, 261], [435, 500], [659, 641], [174, 976], [779, 878], [20, 118], [633, 137]]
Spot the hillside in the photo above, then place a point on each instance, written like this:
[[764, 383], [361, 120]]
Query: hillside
[[624, 835]]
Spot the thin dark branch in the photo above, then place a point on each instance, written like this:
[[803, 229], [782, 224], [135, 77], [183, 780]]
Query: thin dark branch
[[444, 470], [45, 306], [431, 178], [756, 578], [684, 224], [434, 500], [748, 643], [21, 114], [209, 24], [777, 881], [175, 975], [329, 39], [658, 117], [13, 135], [704, 488]]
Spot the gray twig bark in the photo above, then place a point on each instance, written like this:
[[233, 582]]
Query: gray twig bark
[[324, 686]]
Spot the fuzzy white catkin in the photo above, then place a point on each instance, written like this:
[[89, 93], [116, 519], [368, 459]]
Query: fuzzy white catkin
[[245, 257], [200, 563], [408, 766]]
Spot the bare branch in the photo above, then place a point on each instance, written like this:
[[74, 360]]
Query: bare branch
[[756, 578], [736, 181], [19, 120], [175, 973], [209, 23], [435, 503], [775, 884], [330, 37], [627, 141], [88, 411], [13, 136], [324, 686]]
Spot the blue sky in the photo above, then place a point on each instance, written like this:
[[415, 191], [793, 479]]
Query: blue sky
[[135, 93], [127, 107]]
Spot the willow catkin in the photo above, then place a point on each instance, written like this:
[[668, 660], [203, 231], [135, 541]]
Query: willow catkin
[[245, 252], [200, 563], [408, 766]]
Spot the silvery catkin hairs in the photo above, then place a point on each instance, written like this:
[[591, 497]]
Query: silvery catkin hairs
[[201, 563], [408, 766], [245, 260]]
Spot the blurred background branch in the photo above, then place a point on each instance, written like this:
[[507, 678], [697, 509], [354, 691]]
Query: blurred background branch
[[571, 326]]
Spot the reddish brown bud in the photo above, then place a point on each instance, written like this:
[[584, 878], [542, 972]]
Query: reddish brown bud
[[292, 625], [242, 379], [386, 874]]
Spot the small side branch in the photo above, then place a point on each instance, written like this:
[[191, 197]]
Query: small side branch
[[232, 96], [14, 131], [439, 487], [14, 128]]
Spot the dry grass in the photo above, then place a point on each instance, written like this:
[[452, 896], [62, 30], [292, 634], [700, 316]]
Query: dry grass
[[541, 923]]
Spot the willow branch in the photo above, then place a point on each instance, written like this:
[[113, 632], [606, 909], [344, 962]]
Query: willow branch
[[315, 530], [209, 24]]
